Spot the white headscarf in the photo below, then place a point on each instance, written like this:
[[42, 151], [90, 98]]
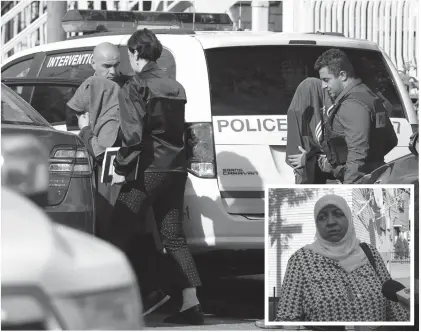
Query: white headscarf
[[347, 252]]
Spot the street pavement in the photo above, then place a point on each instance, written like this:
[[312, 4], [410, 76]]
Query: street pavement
[[401, 273], [237, 303], [229, 304]]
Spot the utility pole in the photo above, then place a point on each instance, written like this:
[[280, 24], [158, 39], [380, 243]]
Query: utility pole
[[56, 10], [260, 15]]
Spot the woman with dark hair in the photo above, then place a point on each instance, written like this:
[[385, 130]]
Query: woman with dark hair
[[152, 108]]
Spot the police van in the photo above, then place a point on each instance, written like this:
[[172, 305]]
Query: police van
[[239, 86]]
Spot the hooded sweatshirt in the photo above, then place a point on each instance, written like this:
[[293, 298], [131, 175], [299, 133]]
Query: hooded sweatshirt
[[99, 97]]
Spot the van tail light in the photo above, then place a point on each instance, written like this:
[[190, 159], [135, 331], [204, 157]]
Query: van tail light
[[66, 163], [200, 150]]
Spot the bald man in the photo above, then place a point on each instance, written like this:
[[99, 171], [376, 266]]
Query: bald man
[[105, 61], [95, 103]]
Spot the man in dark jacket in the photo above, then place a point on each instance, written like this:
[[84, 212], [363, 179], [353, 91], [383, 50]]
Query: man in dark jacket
[[357, 132]]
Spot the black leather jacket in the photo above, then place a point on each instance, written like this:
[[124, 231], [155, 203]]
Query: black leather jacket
[[152, 108]]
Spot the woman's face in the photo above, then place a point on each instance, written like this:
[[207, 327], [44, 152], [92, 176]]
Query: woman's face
[[133, 59], [332, 223]]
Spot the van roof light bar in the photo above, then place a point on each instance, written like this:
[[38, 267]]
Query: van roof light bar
[[90, 21], [206, 21], [157, 19], [77, 20]]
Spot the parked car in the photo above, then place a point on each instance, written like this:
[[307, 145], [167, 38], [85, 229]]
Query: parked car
[[55, 277], [70, 198], [403, 170]]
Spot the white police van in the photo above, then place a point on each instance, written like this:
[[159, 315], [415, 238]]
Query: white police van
[[239, 86]]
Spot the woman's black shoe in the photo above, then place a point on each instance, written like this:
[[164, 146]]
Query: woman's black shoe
[[191, 316]]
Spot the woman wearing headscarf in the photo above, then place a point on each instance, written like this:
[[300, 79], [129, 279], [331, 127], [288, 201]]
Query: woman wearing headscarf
[[332, 279], [305, 118], [152, 109]]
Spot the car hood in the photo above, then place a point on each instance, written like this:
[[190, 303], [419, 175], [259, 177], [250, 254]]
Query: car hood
[[403, 170], [58, 259]]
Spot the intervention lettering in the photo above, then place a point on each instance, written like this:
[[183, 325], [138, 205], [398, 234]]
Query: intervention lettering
[[69, 60]]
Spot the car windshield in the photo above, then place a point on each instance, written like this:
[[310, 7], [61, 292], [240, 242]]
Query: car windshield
[[264, 82], [18, 112]]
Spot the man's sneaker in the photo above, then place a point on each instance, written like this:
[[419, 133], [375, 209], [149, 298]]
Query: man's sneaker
[[153, 301]]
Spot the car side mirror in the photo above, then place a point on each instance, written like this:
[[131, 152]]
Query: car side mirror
[[25, 167], [413, 144]]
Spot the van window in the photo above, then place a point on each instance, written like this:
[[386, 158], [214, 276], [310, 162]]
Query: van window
[[68, 65], [264, 82], [19, 69], [77, 64], [50, 102]]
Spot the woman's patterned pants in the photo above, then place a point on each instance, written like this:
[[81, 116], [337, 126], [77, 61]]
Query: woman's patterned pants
[[164, 193]]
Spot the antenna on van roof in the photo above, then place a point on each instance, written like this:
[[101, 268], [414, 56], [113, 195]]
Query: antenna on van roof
[[194, 16]]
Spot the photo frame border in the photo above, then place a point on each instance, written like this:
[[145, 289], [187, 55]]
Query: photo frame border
[[412, 256]]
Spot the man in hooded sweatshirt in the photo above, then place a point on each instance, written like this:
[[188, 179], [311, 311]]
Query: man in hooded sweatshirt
[[96, 106]]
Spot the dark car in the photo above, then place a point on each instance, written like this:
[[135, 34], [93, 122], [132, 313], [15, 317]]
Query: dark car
[[403, 170], [71, 192]]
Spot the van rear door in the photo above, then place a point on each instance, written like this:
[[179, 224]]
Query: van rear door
[[251, 90]]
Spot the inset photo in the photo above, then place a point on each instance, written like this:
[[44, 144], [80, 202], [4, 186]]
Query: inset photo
[[339, 255]]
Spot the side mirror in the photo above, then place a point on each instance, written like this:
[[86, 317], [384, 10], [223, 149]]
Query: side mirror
[[413, 144], [25, 167]]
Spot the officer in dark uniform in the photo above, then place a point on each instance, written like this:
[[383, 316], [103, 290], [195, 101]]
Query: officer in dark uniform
[[357, 130]]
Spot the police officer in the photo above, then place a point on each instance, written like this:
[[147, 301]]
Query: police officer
[[357, 130]]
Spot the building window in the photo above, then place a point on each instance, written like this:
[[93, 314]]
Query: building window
[[401, 206]]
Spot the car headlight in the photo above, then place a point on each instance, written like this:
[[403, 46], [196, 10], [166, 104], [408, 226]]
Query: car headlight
[[26, 312], [118, 309]]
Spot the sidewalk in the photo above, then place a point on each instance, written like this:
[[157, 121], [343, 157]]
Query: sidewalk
[[401, 273]]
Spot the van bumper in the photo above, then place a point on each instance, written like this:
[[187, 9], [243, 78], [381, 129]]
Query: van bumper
[[208, 226]]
